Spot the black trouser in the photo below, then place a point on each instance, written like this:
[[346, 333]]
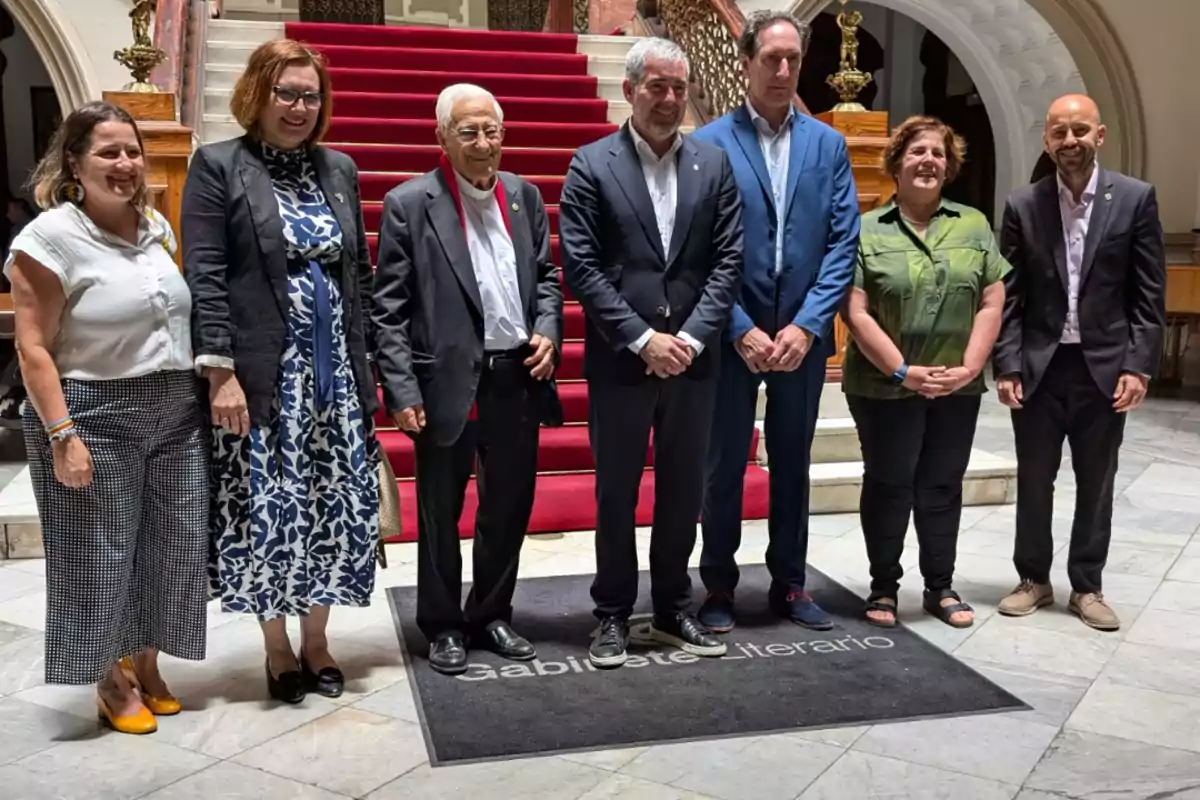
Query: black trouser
[[915, 453], [505, 438], [1066, 404], [679, 410]]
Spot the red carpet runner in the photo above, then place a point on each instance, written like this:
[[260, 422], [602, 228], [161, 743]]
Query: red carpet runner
[[386, 81]]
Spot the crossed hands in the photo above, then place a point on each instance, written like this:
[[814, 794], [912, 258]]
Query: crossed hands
[[784, 353], [666, 356], [932, 382]]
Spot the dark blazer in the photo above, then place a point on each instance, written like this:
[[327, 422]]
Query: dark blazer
[[1122, 307], [614, 262], [428, 315], [235, 263], [820, 220]]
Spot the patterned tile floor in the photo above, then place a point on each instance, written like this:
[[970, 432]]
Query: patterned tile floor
[[1114, 715]]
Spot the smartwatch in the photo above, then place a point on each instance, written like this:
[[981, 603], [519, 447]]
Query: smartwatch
[[900, 374]]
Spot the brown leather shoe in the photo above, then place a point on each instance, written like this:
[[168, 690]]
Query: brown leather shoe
[[1027, 598], [1094, 611]]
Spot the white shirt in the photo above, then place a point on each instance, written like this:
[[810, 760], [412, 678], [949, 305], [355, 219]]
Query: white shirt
[[495, 265], [776, 149], [128, 310], [662, 181], [1075, 220]]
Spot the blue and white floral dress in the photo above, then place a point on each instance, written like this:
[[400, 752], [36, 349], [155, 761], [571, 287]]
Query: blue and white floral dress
[[295, 518]]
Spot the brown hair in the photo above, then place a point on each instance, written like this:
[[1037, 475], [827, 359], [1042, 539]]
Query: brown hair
[[911, 128], [254, 88], [54, 177]]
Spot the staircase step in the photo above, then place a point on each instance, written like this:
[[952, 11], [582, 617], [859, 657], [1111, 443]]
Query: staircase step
[[568, 503], [323, 35], [564, 449], [452, 61], [431, 81], [835, 440], [598, 44], [517, 109], [424, 132], [572, 394], [421, 158], [836, 487]]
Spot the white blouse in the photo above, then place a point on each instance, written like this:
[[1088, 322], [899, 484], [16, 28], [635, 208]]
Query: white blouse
[[128, 310]]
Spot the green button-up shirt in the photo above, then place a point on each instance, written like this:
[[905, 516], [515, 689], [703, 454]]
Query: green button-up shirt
[[924, 293]]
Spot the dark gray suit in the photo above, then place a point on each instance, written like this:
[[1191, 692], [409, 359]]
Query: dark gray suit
[[1068, 389], [615, 264], [235, 262], [429, 325]]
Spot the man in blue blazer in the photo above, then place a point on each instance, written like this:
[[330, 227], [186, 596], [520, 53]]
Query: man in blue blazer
[[801, 221]]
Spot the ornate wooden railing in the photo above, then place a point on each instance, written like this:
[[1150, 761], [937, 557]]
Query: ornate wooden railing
[[708, 31]]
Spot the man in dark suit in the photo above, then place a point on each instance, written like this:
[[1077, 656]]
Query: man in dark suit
[[469, 324], [652, 246], [800, 210], [1081, 337]]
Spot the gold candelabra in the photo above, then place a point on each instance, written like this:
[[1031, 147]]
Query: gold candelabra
[[142, 56], [849, 80]]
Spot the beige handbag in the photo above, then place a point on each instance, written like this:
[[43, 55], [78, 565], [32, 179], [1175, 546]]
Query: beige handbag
[[389, 506]]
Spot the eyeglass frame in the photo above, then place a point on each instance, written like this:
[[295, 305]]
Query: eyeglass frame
[[278, 91], [459, 134]]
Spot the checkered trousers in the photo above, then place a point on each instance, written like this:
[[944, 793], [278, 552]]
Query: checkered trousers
[[127, 557]]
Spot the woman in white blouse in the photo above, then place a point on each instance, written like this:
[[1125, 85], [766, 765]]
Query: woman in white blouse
[[114, 427]]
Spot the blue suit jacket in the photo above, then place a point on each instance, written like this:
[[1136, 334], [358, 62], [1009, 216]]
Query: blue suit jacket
[[821, 222]]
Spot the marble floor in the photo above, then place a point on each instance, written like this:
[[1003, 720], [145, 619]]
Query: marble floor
[[1114, 715]]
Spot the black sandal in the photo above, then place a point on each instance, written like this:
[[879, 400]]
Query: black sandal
[[932, 604], [876, 603]]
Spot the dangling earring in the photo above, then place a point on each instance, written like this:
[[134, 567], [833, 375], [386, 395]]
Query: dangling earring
[[73, 192]]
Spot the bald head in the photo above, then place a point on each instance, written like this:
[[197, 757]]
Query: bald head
[[1073, 135], [1073, 105]]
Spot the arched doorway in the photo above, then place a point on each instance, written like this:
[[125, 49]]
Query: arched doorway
[[1018, 63], [61, 52]]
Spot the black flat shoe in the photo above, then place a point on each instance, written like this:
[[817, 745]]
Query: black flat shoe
[[327, 682], [288, 687], [448, 654], [501, 639]]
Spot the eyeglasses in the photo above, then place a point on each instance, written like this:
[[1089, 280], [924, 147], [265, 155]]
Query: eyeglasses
[[490, 133], [289, 97]]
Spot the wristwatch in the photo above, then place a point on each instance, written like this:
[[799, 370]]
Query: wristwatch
[[900, 374]]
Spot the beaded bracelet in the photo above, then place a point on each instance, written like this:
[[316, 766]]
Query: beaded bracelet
[[61, 425]]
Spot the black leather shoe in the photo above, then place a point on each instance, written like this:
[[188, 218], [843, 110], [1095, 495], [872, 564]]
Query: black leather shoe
[[688, 634], [609, 646], [327, 682], [448, 654], [288, 687], [501, 639]]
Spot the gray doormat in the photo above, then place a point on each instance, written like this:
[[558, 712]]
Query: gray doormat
[[776, 677]]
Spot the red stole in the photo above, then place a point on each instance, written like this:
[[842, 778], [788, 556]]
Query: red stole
[[451, 179]]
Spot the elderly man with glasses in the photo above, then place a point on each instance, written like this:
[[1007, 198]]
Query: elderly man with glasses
[[468, 309]]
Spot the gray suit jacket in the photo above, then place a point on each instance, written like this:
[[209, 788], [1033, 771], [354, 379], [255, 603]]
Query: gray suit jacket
[[428, 313], [235, 263], [1122, 289]]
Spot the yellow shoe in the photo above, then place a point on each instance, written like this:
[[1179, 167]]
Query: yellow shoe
[[142, 722], [160, 706]]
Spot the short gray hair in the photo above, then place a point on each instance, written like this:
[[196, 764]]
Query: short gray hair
[[461, 91], [759, 21], [652, 47]]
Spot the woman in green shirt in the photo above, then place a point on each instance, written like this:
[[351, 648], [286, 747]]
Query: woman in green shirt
[[923, 315]]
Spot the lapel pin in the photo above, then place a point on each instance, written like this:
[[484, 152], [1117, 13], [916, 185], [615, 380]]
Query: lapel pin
[[1108, 195], [516, 206], [338, 196], [696, 167]]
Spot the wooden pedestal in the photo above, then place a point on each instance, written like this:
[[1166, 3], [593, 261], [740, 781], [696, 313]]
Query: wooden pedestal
[[866, 135]]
